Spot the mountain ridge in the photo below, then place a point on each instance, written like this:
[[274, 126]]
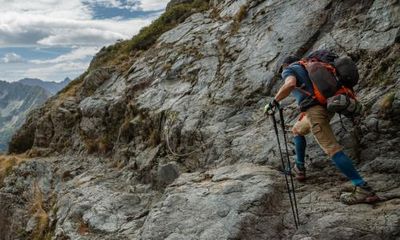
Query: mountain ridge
[[50, 86], [170, 142], [16, 101]]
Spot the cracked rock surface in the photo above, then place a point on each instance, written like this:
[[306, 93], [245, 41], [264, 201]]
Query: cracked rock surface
[[177, 147]]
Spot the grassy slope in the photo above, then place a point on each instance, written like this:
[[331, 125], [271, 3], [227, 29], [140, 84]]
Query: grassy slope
[[120, 54]]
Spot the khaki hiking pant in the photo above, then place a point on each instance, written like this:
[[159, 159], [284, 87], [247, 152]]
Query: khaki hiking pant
[[317, 120]]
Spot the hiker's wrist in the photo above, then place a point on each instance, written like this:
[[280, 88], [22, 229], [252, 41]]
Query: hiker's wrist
[[275, 102]]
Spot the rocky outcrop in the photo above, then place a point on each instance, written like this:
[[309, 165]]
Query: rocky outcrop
[[177, 146]]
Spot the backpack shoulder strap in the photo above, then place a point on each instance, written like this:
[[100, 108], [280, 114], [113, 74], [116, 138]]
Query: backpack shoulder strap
[[306, 62], [347, 91]]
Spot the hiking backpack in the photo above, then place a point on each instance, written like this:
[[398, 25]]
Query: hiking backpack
[[347, 71], [345, 68], [333, 79], [323, 55]]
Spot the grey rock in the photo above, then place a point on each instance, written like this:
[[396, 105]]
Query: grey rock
[[189, 151], [383, 165], [93, 81], [167, 173], [146, 158], [372, 124], [31, 225], [198, 210]]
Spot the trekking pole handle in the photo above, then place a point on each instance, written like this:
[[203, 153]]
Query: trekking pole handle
[[271, 107]]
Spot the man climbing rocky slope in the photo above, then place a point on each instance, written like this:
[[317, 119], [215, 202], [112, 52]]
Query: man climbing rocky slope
[[170, 141]]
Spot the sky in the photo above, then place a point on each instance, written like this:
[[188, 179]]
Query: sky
[[55, 39]]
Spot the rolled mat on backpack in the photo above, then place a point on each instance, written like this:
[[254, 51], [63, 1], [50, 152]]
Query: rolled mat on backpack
[[345, 105]]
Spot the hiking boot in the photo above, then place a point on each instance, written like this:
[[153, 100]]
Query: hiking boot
[[360, 194], [299, 174]]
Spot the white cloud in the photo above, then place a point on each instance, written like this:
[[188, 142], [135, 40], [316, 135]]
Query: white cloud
[[27, 29], [80, 53], [12, 58], [63, 24], [58, 71], [86, 36], [72, 9]]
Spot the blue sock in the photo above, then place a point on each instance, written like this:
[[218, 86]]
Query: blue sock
[[345, 165], [300, 145]]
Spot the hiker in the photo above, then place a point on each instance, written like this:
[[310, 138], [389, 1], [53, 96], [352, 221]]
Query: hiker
[[316, 118]]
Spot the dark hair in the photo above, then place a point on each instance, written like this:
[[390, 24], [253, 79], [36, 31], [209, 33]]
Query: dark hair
[[288, 60]]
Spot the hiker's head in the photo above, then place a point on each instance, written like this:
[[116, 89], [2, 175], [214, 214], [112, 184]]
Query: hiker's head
[[287, 61]]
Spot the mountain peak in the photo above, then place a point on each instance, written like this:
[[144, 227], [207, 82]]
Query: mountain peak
[[50, 86]]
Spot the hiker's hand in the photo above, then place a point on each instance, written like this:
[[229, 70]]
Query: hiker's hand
[[270, 107]]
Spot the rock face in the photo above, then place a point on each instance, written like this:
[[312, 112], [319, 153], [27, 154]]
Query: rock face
[[177, 146], [226, 203]]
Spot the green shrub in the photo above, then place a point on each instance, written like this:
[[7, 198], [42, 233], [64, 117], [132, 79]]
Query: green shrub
[[238, 18], [73, 86], [242, 13], [387, 101]]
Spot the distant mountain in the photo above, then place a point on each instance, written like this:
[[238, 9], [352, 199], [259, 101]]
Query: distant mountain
[[51, 87], [16, 100]]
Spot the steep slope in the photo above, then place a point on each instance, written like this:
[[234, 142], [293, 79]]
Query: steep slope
[[175, 146], [51, 87], [16, 101]]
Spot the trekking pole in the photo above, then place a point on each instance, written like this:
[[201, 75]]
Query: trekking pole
[[288, 161], [293, 202]]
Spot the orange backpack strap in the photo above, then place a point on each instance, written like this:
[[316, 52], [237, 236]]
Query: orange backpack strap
[[318, 95], [330, 68], [304, 63], [347, 91]]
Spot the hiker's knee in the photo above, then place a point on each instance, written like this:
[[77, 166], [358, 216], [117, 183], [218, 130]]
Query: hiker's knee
[[296, 132], [301, 128], [331, 148], [332, 151]]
